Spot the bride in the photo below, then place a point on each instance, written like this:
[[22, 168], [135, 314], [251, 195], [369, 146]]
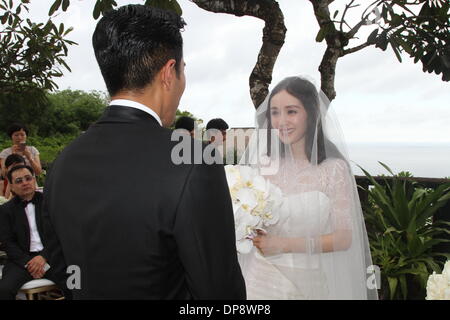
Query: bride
[[318, 249]]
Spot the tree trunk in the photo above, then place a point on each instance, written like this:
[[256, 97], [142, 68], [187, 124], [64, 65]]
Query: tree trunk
[[327, 71], [273, 37], [334, 49]]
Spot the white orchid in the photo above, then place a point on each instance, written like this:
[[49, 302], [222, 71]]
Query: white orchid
[[255, 203], [438, 285]]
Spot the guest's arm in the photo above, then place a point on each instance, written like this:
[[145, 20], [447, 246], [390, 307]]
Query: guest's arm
[[35, 161], [8, 240]]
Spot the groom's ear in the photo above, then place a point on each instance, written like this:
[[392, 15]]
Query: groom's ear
[[168, 72]]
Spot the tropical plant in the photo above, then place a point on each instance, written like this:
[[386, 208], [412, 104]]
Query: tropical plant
[[31, 54], [402, 233]]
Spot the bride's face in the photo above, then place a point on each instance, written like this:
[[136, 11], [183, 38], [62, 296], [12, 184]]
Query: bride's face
[[288, 115]]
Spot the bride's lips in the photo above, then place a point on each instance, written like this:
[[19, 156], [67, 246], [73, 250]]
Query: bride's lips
[[286, 132]]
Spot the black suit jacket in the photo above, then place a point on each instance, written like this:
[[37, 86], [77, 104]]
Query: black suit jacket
[[15, 230], [137, 225]]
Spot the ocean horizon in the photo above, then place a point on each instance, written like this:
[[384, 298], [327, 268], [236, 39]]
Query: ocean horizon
[[425, 160], [421, 159]]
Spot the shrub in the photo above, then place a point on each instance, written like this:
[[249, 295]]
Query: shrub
[[399, 219]]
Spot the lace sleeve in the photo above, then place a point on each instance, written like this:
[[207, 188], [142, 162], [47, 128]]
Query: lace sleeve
[[339, 188]]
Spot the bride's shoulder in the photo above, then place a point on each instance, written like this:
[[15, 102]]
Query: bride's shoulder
[[335, 166], [334, 163]]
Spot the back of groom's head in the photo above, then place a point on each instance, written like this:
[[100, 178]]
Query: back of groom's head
[[133, 43]]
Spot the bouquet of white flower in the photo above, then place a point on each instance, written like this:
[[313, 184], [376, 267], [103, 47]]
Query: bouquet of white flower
[[3, 200], [438, 285], [255, 203]]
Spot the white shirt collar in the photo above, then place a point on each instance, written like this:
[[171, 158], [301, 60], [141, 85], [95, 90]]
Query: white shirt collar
[[136, 105]]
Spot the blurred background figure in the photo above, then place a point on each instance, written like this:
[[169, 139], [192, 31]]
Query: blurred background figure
[[18, 134], [186, 123], [219, 125]]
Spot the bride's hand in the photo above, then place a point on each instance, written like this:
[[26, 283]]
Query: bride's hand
[[267, 244]]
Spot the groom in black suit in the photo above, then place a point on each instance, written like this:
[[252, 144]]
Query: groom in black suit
[[137, 225]]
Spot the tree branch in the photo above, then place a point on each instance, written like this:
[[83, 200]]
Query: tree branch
[[347, 6], [355, 29], [355, 49], [274, 33]]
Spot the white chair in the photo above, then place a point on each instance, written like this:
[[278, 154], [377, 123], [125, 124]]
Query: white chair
[[39, 288], [42, 289]]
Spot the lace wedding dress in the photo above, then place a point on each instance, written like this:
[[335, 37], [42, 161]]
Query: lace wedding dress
[[315, 206], [298, 146]]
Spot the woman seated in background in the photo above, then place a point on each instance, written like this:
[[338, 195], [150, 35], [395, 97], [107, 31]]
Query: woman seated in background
[[18, 134]]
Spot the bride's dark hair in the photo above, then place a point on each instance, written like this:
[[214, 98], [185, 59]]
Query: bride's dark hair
[[306, 92]]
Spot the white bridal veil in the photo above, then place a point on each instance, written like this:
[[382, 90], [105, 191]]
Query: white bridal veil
[[319, 248]]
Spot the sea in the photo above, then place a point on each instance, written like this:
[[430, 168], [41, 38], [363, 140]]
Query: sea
[[426, 160]]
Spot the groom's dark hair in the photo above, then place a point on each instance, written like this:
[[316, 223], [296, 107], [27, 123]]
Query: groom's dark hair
[[134, 42]]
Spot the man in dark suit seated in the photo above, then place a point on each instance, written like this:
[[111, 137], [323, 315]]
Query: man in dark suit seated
[[21, 236]]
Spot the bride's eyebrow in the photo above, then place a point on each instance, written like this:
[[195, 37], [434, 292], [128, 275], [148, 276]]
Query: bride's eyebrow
[[293, 106]]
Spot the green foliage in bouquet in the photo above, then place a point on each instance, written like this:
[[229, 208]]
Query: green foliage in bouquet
[[401, 231]]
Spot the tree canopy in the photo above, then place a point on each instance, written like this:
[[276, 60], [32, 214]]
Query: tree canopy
[[31, 54], [418, 27]]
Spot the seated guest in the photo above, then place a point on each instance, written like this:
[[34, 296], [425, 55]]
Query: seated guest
[[11, 161], [186, 123], [216, 128], [18, 134], [22, 237]]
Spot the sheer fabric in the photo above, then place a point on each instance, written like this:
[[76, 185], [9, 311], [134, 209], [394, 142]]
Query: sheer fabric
[[319, 248]]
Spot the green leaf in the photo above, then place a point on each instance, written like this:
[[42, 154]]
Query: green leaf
[[97, 9], [321, 34], [55, 6], [65, 5], [65, 65], [176, 7], [372, 37], [405, 46], [395, 49], [68, 31], [5, 18], [166, 5], [61, 29], [382, 41], [392, 286], [335, 14], [403, 286]]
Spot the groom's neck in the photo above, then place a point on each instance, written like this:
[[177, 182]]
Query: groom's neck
[[148, 96]]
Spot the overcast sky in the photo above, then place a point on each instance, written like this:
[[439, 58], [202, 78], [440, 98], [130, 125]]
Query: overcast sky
[[378, 98]]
